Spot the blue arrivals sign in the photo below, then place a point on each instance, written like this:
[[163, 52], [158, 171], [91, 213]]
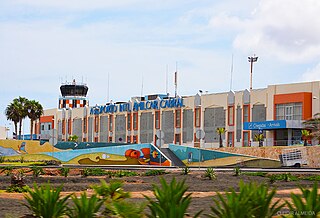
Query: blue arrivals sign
[[274, 124]]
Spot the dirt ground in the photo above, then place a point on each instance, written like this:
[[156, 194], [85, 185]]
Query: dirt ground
[[203, 190]]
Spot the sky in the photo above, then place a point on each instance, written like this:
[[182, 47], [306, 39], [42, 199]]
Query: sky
[[138, 44]]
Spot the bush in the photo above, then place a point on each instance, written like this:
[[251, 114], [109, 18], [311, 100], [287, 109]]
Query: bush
[[93, 172], [45, 201], [155, 172], [308, 202], [17, 188], [85, 207], [37, 171], [64, 171], [252, 201], [237, 171], [283, 177], [185, 170], [312, 178], [121, 173], [171, 200], [210, 173], [112, 191], [262, 174]]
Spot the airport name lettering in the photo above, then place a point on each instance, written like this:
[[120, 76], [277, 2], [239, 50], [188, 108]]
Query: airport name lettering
[[137, 106]]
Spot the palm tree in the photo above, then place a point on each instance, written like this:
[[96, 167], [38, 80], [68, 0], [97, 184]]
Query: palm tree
[[314, 125], [35, 110], [73, 138], [22, 110], [259, 138], [220, 131], [12, 114], [305, 135]]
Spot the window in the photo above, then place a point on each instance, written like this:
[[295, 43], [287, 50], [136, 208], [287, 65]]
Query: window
[[291, 111], [63, 127], [85, 125], [84, 139], [177, 139], [128, 139], [42, 127], [178, 118], [96, 124], [197, 117], [246, 113], [49, 127], [245, 139], [110, 123], [135, 139], [230, 139], [110, 138], [231, 115], [135, 121], [157, 119], [69, 126], [95, 139], [129, 121]]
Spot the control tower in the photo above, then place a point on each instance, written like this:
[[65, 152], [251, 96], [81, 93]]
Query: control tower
[[73, 95]]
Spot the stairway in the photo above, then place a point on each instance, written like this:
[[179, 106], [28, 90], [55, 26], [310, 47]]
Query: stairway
[[174, 159]]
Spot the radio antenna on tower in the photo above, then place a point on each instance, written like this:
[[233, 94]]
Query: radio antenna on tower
[[176, 80], [167, 79], [142, 85], [231, 72], [108, 90]]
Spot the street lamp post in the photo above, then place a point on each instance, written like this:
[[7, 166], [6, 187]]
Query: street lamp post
[[252, 60]]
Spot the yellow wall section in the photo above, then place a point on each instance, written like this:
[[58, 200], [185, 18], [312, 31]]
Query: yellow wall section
[[32, 147]]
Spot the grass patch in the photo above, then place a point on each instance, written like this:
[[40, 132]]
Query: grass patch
[[261, 174], [312, 178], [155, 172]]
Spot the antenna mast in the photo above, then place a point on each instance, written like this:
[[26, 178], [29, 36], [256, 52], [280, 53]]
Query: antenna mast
[[167, 79], [176, 80], [231, 72], [142, 86], [108, 89]]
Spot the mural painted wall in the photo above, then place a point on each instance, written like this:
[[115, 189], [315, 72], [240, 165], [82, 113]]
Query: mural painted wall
[[201, 157], [84, 153]]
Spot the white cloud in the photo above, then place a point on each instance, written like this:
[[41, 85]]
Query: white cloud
[[312, 74]]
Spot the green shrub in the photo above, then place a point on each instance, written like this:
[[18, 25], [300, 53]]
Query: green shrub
[[121, 173], [112, 191], [17, 188], [307, 204], [185, 170], [64, 171], [7, 170], [126, 209], [171, 200], [84, 207], [210, 173], [37, 171], [237, 171], [45, 201], [283, 177], [252, 201], [155, 172], [262, 174], [312, 178], [93, 172]]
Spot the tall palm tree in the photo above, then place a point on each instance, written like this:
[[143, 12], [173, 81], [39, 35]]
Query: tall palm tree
[[12, 114], [314, 125], [34, 112], [22, 110], [220, 131]]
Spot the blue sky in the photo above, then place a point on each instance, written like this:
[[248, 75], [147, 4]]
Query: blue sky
[[45, 42]]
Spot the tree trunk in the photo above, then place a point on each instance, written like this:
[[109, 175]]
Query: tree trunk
[[16, 129], [305, 142], [20, 127], [31, 129], [220, 141]]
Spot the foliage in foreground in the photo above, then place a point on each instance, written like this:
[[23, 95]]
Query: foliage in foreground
[[155, 172], [185, 170], [252, 201], [308, 202], [84, 207], [45, 201], [64, 171], [171, 200]]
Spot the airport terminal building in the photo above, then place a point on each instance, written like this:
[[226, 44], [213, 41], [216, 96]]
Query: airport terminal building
[[277, 112]]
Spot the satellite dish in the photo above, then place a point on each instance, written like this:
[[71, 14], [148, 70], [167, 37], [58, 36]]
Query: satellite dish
[[200, 134], [159, 134]]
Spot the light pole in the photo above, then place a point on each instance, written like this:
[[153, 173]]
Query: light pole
[[252, 60]]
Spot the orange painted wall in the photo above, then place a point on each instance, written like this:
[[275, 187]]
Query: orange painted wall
[[304, 97], [47, 119]]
